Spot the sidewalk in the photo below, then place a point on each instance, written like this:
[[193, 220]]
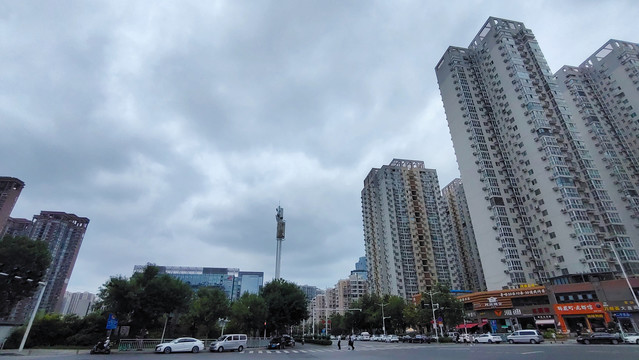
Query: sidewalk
[[42, 352]]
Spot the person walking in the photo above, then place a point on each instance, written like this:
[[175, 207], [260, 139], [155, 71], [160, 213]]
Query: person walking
[[351, 342], [339, 342]]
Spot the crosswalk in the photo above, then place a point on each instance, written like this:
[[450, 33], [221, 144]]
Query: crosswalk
[[325, 350]]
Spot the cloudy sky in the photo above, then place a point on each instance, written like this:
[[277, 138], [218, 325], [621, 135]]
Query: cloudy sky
[[177, 127]]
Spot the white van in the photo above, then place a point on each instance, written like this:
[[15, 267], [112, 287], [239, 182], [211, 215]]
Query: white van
[[229, 342]]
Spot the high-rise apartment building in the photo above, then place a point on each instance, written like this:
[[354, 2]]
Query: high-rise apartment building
[[17, 227], [405, 246], [64, 234], [461, 231], [539, 207], [604, 98], [78, 303], [10, 189]]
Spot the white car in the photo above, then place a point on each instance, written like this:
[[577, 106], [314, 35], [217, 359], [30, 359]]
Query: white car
[[465, 338], [185, 344], [631, 338], [392, 339], [488, 338]]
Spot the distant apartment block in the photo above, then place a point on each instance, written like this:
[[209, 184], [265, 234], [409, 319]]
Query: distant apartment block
[[310, 291], [460, 229], [548, 161], [18, 227], [78, 303], [232, 281], [361, 268], [405, 246], [10, 189], [64, 234]]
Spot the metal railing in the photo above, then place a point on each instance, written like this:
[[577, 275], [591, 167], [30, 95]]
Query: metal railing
[[150, 344]]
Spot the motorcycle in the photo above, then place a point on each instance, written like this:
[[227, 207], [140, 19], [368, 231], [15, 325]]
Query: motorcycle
[[101, 348]]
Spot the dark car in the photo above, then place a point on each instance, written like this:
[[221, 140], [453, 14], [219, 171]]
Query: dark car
[[407, 338], [280, 342], [421, 339], [599, 338]]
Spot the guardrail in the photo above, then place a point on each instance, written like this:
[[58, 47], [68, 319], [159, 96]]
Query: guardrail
[[149, 344]]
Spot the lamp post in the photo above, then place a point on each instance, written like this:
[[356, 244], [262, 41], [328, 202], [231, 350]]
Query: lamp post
[[384, 319], [431, 293], [611, 242], [35, 310]]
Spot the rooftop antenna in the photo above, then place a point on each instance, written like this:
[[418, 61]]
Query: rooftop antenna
[[281, 226]]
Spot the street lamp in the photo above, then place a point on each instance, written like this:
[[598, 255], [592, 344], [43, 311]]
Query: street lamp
[[35, 310], [384, 319], [431, 293], [611, 242]]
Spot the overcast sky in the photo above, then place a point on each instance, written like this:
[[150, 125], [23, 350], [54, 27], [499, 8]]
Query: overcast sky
[[178, 127]]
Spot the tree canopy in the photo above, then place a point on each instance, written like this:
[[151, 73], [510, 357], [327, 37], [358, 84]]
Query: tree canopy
[[23, 257], [208, 305], [143, 299], [248, 314], [286, 304]]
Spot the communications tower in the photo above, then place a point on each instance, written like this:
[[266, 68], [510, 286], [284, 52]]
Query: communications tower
[[281, 225]]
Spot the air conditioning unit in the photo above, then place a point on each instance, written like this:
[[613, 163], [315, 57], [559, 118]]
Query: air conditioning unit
[[582, 260]]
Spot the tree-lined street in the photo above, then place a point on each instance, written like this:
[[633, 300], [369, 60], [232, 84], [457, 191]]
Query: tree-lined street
[[373, 350]]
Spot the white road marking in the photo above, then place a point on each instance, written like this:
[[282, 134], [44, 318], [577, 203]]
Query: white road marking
[[532, 352]]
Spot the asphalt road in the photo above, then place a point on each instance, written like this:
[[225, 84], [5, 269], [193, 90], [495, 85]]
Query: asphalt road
[[373, 351]]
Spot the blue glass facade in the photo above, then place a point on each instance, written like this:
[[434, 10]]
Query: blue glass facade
[[233, 282]]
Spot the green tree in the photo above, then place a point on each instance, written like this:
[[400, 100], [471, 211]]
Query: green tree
[[286, 304], [450, 309], [248, 314], [338, 327], [145, 298], [20, 256], [395, 310], [208, 305], [52, 329]]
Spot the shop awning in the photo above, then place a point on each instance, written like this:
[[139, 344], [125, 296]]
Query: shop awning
[[545, 322], [466, 326]]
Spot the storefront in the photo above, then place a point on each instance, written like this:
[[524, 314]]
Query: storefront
[[507, 310], [581, 317], [624, 315]]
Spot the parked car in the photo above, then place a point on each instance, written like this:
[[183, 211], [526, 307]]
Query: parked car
[[421, 339], [488, 338], [465, 338], [406, 338], [599, 338], [365, 336], [525, 336], [185, 344], [392, 339], [229, 342], [631, 338]]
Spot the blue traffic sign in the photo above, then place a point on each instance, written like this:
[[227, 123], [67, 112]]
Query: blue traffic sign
[[112, 322]]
